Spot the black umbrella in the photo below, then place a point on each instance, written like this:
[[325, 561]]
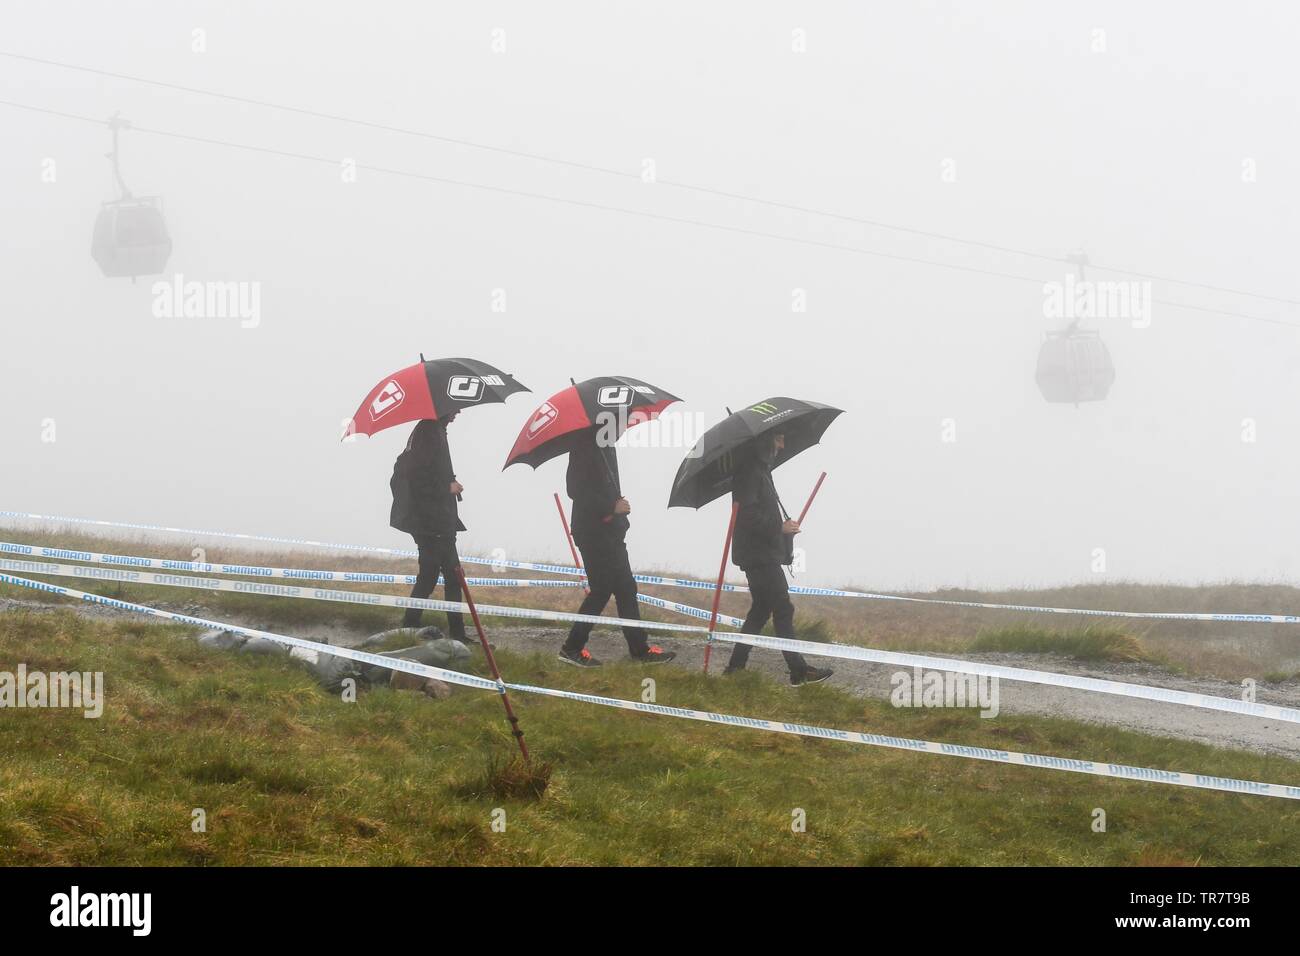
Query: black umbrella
[[706, 472]]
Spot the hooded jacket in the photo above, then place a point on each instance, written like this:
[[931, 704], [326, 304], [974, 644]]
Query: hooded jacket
[[422, 475], [758, 538], [592, 483]]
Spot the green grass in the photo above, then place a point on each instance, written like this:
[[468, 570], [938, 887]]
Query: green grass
[[1281, 677], [289, 774], [1094, 643]]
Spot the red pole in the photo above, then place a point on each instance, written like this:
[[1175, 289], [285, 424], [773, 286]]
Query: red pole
[[816, 488], [492, 662], [572, 549], [717, 591]]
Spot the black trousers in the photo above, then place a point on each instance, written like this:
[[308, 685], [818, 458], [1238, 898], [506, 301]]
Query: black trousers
[[770, 597], [609, 574], [437, 556]]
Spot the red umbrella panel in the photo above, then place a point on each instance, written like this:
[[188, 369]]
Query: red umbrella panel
[[614, 402], [431, 389]]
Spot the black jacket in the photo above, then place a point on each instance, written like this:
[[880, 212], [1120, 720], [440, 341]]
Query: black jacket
[[758, 539], [592, 482], [422, 503]]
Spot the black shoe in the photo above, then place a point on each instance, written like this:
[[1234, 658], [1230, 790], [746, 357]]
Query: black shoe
[[580, 658], [813, 675], [654, 654]]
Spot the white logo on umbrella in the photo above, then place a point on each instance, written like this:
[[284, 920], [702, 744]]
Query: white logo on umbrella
[[541, 418], [614, 395], [465, 388], [389, 397]]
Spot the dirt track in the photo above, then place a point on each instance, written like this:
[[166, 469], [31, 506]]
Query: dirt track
[[873, 680]]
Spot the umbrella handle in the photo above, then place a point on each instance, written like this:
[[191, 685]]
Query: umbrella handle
[[492, 663], [808, 504], [568, 535], [717, 591]]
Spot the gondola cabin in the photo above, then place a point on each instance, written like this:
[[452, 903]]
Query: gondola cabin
[[131, 238], [1074, 366]]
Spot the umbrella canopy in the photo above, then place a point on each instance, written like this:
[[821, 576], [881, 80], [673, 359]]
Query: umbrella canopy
[[612, 402], [705, 473], [431, 389]]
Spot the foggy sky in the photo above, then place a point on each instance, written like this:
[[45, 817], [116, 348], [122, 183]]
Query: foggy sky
[[1135, 154]]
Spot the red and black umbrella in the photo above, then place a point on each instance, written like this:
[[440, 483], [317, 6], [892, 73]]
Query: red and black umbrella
[[433, 389], [612, 403]]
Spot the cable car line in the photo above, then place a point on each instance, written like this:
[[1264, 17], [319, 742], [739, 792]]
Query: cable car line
[[610, 171], [587, 204]]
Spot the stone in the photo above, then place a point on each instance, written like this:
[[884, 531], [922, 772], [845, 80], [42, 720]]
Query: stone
[[221, 640], [263, 645], [425, 685]]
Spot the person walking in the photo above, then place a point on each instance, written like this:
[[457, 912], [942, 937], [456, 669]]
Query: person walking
[[761, 544], [599, 525], [425, 496]]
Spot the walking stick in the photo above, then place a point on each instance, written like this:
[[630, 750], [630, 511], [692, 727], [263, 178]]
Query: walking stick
[[816, 488], [572, 549], [492, 662], [717, 591]]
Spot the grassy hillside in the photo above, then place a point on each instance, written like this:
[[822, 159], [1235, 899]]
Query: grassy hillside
[[289, 774]]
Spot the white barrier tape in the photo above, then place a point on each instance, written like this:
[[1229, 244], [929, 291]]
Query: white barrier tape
[[689, 610], [131, 576], [1227, 618], [689, 583], [257, 571], [1051, 678], [311, 574], [365, 657], [566, 569], [64, 519], [816, 649], [1118, 688], [1178, 778], [1221, 617], [1095, 768]]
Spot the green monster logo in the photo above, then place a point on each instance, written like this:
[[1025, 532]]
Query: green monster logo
[[763, 408]]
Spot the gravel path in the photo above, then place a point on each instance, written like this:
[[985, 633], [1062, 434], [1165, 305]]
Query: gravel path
[[873, 680]]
